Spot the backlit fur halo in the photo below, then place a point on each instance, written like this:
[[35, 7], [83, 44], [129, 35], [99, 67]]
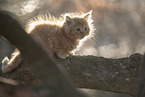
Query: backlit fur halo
[[49, 19]]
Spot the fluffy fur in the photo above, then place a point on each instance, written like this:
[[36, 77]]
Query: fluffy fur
[[58, 37]]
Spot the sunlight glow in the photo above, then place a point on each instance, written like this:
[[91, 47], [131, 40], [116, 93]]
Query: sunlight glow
[[29, 6], [114, 51]]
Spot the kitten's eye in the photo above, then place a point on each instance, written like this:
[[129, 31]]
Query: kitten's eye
[[85, 28], [78, 29]]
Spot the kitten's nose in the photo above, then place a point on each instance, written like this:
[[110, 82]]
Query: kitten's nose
[[82, 35], [81, 32]]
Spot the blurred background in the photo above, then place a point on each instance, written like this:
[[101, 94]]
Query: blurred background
[[120, 25]]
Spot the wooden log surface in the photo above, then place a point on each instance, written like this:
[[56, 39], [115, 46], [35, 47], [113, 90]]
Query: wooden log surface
[[91, 72]]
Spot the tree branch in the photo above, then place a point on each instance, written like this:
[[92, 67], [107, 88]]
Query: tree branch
[[115, 75], [141, 82]]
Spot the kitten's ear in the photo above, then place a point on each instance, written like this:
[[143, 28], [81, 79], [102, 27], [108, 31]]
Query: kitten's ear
[[86, 16], [89, 14], [68, 20]]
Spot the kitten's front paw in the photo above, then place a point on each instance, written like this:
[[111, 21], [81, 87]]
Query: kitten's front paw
[[4, 65], [62, 56]]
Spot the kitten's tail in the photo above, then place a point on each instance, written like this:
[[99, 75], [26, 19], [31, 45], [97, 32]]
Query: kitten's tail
[[10, 65]]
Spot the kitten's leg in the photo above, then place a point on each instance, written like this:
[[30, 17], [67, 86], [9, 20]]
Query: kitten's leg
[[10, 65], [62, 55]]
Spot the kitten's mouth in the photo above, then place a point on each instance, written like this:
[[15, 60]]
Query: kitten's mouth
[[80, 37]]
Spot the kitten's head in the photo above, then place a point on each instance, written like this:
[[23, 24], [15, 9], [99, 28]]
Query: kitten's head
[[77, 27]]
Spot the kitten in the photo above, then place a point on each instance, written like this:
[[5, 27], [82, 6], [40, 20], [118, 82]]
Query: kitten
[[58, 37]]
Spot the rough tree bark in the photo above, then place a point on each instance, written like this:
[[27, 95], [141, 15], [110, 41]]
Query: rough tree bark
[[91, 72], [141, 82]]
